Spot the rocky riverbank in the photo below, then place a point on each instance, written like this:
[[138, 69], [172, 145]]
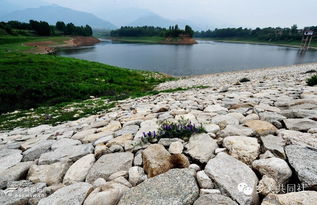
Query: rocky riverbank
[[259, 147]]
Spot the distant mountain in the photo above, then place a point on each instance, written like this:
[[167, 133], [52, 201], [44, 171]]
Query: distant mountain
[[159, 21], [54, 13], [123, 16], [8, 6]]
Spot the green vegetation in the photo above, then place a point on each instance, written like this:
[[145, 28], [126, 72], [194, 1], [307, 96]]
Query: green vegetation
[[244, 80], [42, 28], [183, 129], [150, 31], [312, 81], [54, 114], [28, 80], [144, 39], [57, 88], [278, 36]]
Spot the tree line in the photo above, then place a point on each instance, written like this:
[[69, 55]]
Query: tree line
[[265, 34], [141, 31], [42, 28]]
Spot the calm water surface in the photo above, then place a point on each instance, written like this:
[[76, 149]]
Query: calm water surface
[[180, 60]]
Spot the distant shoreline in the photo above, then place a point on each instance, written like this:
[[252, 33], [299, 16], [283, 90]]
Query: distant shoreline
[[285, 44], [49, 47], [156, 40]]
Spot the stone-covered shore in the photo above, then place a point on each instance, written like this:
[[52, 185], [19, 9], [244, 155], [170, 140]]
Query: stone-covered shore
[[260, 147]]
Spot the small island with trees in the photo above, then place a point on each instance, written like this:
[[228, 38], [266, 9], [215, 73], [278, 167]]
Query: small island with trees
[[151, 34]]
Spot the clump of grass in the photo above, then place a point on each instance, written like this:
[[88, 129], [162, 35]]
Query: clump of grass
[[312, 80], [244, 80], [183, 129]]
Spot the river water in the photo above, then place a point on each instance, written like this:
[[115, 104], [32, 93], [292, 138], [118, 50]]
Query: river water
[[183, 60]]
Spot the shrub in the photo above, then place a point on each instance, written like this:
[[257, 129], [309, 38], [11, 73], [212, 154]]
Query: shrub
[[183, 129], [312, 80], [243, 80]]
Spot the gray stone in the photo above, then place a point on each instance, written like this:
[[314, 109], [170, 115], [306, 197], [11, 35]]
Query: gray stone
[[177, 187], [14, 173], [35, 151], [72, 153], [275, 144], [64, 142], [271, 116], [108, 164], [303, 160], [74, 194], [224, 120], [9, 158], [234, 130], [108, 194], [79, 170], [300, 113], [214, 199], [136, 175], [300, 124], [23, 195], [201, 147], [234, 178], [131, 129], [50, 174], [298, 138], [204, 181], [275, 168], [298, 198]]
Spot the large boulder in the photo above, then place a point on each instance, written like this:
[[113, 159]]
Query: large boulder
[[201, 147], [108, 194], [9, 158], [72, 153], [274, 144], [298, 138], [300, 124], [109, 164], [298, 198], [35, 151], [213, 199], [261, 127], [275, 168], [233, 130], [246, 149], [234, 178], [156, 160], [24, 193], [177, 187], [74, 194], [14, 173], [50, 174], [303, 160], [79, 170]]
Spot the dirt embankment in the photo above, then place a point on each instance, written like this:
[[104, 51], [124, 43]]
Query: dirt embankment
[[180, 41], [47, 47]]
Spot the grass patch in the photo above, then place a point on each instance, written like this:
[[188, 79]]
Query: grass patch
[[54, 115], [312, 81], [29, 81]]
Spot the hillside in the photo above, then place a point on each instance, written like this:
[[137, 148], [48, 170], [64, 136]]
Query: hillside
[[49, 14]]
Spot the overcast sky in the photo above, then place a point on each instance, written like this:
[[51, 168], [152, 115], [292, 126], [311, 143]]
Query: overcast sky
[[246, 13]]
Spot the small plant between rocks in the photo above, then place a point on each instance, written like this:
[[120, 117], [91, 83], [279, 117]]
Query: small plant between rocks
[[244, 80], [312, 80], [183, 129]]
